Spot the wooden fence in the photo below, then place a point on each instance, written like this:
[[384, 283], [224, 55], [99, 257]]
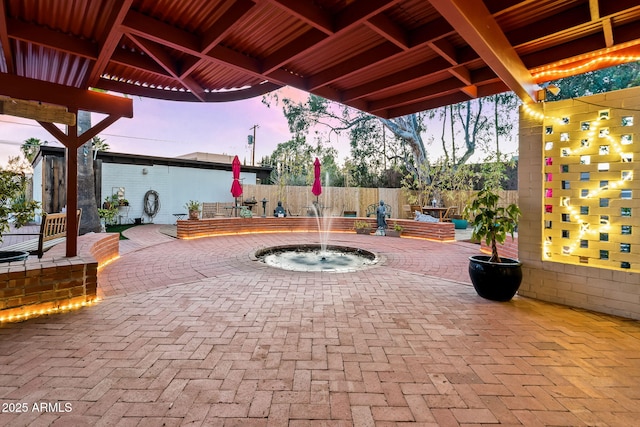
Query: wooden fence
[[337, 200]]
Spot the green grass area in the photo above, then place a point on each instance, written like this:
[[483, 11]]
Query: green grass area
[[119, 229]]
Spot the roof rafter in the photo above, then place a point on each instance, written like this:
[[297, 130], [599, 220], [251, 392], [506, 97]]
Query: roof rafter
[[168, 63], [447, 99], [478, 28], [157, 31], [449, 85], [388, 29], [353, 64], [357, 13], [73, 98], [219, 30], [418, 71], [308, 13], [39, 35], [4, 40], [110, 42]]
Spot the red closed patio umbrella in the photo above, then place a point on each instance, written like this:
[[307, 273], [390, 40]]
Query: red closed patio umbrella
[[236, 188], [317, 186]]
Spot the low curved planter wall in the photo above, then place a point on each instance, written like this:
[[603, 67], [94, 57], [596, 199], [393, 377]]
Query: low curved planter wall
[[53, 283], [191, 229]]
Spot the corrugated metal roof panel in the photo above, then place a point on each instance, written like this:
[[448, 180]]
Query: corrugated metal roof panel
[[336, 47]]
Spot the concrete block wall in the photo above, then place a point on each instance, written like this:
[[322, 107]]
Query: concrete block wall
[[508, 249], [606, 290], [174, 185]]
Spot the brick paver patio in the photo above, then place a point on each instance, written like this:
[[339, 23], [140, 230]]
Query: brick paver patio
[[196, 333]]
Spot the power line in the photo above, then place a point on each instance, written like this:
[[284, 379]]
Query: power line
[[139, 138]]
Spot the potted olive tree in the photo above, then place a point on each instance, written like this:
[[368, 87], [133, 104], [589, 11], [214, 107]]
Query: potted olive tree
[[14, 207], [494, 277]]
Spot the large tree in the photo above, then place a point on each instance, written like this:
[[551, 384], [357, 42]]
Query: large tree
[[316, 111], [599, 81], [90, 220]]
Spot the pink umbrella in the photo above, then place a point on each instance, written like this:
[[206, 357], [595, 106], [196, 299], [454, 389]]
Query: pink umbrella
[[317, 186], [236, 188]]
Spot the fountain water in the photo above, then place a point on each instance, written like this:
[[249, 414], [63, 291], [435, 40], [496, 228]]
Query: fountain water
[[323, 218], [320, 257]]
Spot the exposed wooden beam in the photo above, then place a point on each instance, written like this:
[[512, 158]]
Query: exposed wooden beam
[[446, 50], [166, 61], [161, 33], [607, 29], [429, 104], [226, 22], [355, 14], [436, 29], [214, 35], [388, 29], [594, 9], [308, 13], [39, 35], [399, 78], [437, 89], [139, 62], [4, 39], [555, 24], [359, 11], [290, 51], [110, 41], [462, 74], [477, 27], [148, 28], [70, 97], [356, 63], [36, 111], [471, 91]]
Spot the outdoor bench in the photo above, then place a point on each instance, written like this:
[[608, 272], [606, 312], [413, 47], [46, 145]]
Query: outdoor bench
[[53, 230], [372, 209]]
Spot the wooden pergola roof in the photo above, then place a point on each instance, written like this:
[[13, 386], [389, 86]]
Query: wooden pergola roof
[[386, 57]]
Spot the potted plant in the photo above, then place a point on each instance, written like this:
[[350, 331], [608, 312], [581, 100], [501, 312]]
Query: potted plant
[[193, 206], [459, 223], [494, 277], [362, 227], [395, 231], [15, 209]]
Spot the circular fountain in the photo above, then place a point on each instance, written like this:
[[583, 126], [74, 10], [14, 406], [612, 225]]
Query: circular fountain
[[335, 259]]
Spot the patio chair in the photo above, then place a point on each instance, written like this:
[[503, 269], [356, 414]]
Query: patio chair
[[449, 213], [408, 213]]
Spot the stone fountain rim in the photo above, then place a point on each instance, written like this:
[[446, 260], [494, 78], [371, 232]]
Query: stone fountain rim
[[257, 255]]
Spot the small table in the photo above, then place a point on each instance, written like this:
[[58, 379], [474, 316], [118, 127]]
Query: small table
[[439, 212], [179, 216]]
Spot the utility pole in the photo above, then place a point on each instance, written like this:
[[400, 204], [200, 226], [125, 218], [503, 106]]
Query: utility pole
[[252, 141]]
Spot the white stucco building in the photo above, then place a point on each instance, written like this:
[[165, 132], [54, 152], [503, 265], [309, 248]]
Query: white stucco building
[[175, 180]]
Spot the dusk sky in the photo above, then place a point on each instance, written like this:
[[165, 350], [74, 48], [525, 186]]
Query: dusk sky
[[169, 128]]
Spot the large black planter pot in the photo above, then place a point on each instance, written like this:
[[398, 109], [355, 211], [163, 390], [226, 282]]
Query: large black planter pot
[[497, 282], [10, 256]]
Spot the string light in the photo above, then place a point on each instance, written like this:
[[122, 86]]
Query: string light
[[596, 132], [38, 310], [582, 68]]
